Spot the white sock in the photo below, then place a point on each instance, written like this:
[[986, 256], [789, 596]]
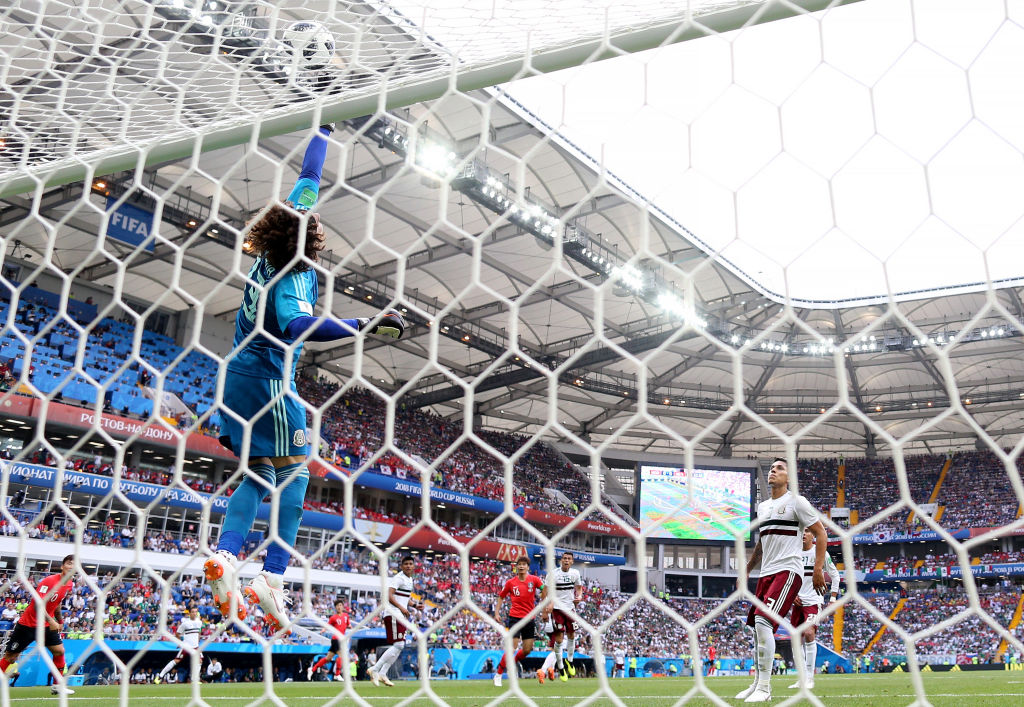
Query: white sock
[[757, 664], [549, 662], [167, 668], [765, 651], [810, 657], [558, 655], [387, 659], [570, 648]]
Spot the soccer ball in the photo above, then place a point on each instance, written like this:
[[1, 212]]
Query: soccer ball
[[310, 44]]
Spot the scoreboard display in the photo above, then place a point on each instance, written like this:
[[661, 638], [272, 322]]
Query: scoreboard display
[[706, 504]]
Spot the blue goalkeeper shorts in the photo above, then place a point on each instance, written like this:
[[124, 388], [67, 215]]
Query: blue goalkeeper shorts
[[279, 431]]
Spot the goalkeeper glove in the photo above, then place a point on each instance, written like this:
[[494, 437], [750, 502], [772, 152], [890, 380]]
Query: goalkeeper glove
[[390, 324]]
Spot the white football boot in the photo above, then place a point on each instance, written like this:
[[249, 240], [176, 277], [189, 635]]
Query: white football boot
[[747, 693], [221, 575], [267, 590], [760, 694]]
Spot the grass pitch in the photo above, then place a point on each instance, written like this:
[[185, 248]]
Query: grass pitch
[[976, 689]]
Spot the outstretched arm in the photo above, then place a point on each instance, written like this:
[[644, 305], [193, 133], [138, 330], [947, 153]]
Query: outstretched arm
[[326, 328], [299, 319], [307, 188]]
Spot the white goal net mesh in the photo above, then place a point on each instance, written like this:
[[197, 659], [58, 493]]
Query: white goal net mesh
[[112, 84], [628, 239]]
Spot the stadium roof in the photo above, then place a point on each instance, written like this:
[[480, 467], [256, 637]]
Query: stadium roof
[[805, 170], [392, 228]]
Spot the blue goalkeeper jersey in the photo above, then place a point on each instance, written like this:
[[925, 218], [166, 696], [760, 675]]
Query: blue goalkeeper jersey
[[293, 295]]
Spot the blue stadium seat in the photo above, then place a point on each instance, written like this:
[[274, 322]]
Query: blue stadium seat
[[140, 406]]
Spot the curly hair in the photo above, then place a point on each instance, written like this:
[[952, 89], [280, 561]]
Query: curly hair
[[276, 237]]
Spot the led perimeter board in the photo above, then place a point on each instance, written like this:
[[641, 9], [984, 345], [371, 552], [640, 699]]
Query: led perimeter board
[[703, 505]]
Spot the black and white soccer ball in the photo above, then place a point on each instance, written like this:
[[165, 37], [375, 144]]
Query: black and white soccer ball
[[311, 45]]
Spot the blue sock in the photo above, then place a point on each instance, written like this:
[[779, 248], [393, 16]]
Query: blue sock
[[288, 517], [242, 507]]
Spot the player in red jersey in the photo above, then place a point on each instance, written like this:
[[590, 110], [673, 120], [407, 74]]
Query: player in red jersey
[[338, 625], [51, 592], [523, 589]]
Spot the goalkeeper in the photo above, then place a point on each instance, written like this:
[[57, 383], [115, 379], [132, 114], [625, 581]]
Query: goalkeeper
[[286, 242]]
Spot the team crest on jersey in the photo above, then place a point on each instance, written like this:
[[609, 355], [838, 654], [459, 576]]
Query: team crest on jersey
[[299, 438]]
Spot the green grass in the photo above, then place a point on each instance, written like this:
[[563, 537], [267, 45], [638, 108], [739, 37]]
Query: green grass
[[968, 689]]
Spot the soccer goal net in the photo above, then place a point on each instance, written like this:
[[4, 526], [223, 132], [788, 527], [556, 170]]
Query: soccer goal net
[[588, 285]]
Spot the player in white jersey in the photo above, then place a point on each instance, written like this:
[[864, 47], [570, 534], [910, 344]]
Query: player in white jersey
[[782, 520], [396, 620], [568, 586], [190, 628], [808, 604]]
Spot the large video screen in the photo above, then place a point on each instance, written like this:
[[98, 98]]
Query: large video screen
[[718, 509]]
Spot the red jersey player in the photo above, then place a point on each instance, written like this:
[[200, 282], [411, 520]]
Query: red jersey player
[[523, 589], [51, 592], [338, 625], [779, 551]]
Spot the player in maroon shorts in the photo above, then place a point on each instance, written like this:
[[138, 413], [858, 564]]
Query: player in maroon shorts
[[806, 607], [523, 590], [396, 620], [779, 551], [51, 591], [338, 625], [568, 594]]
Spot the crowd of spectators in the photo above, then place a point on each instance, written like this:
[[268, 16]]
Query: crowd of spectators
[[818, 482], [969, 636], [929, 562], [977, 492], [7, 379], [353, 431], [859, 626], [872, 486]]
